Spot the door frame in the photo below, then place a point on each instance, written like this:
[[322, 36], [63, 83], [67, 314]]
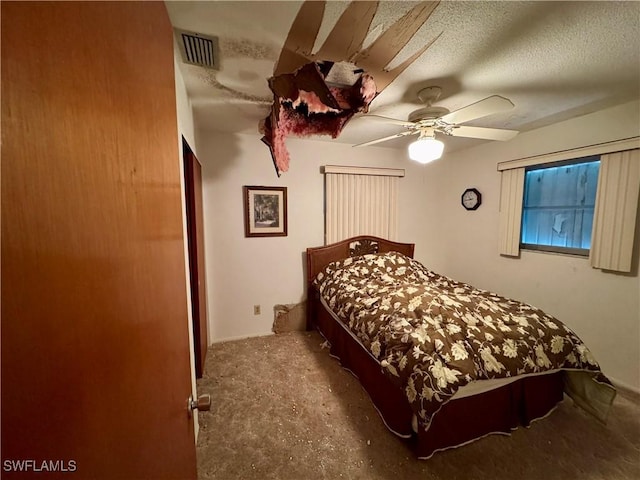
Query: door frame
[[195, 253]]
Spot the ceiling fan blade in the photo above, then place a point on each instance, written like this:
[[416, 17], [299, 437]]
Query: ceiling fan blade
[[482, 132], [393, 121], [390, 137], [482, 108]]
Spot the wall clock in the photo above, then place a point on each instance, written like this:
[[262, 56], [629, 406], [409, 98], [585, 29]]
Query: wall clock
[[471, 199]]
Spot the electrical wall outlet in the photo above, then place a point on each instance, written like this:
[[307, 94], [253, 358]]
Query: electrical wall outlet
[[256, 309]]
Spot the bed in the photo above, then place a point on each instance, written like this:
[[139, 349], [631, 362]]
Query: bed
[[443, 362]]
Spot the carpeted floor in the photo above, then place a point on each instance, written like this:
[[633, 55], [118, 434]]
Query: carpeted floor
[[283, 409]]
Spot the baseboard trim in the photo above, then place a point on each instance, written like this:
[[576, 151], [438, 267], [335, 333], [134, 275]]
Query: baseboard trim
[[630, 390], [241, 337]]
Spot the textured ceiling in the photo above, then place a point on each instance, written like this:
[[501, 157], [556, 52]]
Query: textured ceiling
[[553, 60]]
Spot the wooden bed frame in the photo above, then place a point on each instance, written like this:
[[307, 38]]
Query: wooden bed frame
[[459, 421]]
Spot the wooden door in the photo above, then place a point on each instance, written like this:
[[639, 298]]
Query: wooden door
[[95, 349], [195, 233]]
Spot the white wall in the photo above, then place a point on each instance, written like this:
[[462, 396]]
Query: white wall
[[602, 308], [243, 272]]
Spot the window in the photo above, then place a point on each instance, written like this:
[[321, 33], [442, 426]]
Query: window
[[613, 221], [558, 206]]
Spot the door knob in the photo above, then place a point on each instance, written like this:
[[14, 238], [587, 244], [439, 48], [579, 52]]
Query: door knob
[[202, 403]]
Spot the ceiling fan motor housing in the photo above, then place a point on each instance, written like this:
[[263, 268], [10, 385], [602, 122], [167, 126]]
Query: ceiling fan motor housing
[[427, 113]]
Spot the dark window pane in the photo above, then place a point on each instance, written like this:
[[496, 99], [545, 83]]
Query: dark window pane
[[559, 203]]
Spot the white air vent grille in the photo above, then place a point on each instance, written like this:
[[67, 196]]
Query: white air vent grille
[[198, 49]]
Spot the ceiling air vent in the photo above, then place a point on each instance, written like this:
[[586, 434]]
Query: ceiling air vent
[[198, 49]]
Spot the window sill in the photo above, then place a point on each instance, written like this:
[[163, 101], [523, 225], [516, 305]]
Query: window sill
[[572, 252]]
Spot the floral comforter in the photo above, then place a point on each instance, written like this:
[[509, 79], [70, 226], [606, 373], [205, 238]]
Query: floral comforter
[[433, 335]]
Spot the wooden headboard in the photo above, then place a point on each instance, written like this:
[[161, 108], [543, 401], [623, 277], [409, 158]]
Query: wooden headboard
[[320, 257]]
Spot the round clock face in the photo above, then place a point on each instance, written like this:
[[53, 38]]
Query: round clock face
[[471, 199]]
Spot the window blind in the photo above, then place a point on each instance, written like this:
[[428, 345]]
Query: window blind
[[615, 211], [511, 193], [361, 204]]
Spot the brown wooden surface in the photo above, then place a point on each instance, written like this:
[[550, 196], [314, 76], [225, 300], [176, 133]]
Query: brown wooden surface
[[95, 352], [195, 232]]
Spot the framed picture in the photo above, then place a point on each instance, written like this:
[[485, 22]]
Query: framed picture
[[265, 211]]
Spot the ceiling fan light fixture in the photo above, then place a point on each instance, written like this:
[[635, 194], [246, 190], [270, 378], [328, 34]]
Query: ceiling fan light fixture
[[426, 149]]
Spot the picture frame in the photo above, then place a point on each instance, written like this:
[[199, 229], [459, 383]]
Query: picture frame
[[265, 211]]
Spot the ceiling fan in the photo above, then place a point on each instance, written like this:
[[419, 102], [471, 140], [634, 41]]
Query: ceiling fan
[[430, 119]]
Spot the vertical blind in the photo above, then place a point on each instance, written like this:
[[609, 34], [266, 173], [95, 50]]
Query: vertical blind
[[616, 209], [511, 193], [361, 201]]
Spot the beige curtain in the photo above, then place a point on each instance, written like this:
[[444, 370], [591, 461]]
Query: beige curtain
[[358, 202], [614, 219], [511, 195]]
